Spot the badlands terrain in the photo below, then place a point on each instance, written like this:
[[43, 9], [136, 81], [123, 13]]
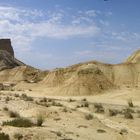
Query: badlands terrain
[[86, 101]]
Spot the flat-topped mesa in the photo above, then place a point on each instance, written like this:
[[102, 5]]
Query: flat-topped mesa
[[5, 44]]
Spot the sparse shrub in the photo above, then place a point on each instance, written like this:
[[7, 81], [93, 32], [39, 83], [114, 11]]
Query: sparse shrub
[[16, 95], [101, 131], [86, 104], [13, 114], [26, 98], [4, 136], [128, 110], [43, 100], [19, 122], [113, 112], [65, 109], [99, 108], [18, 136], [123, 131], [128, 115], [40, 120], [43, 104], [56, 104], [7, 99], [88, 116], [29, 99], [23, 96], [84, 99], [49, 100], [78, 106], [59, 134], [130, 103], [71, 100], [5, 109]]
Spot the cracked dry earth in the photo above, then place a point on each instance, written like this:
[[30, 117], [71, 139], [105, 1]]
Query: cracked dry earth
[[68, 118]]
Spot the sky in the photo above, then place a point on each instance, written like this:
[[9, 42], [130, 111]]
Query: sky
[[48, 34]]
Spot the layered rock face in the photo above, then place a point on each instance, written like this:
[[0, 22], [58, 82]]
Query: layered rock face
[[7, 59], [5, 45]]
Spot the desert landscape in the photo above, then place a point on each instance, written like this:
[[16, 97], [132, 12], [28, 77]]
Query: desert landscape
[[86, 101]]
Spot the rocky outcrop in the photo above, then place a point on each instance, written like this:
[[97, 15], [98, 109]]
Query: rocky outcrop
[[5, 45], [7, 59]]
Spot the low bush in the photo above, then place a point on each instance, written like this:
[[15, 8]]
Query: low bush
[[130, 103], [5, 109], [99, 108], [88, 116], [113, 112], [4, 136], [16, 95], [128, 113], [40, 120], [26, 98], [18, 136], [56, 104], [13, 114], [19, 122], [43, 100]]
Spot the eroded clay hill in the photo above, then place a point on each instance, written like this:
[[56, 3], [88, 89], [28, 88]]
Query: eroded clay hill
[[81, 79], [94, 77]]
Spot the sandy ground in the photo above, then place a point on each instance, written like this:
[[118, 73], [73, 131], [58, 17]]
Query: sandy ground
[[67, 118]]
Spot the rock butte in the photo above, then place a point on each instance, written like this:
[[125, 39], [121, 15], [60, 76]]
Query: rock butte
[[87, 78], [5, 44]]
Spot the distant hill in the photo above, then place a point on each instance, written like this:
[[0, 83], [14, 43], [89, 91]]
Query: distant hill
[[87, 78]]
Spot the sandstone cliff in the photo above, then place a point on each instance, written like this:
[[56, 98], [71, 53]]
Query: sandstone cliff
[[7, 59]]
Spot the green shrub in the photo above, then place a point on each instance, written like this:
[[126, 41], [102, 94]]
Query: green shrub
[[7, 99], [99, 108], [71, 100], [40, 120], [113, 112], [84, 99], [18, 136], [130, 103], [128, 113], [56, 104], [5, 109], [86, 104], [88, 116], [13, 114], [19, 122], [26, 98], [43, 100], [16, 95], [101, 131], [4, 136], [123, 131], [65, 109]]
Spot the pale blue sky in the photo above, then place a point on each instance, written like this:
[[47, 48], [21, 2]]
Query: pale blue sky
[[56, 33]]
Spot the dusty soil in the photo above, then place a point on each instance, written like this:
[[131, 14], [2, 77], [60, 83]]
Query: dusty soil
[[73, 117]]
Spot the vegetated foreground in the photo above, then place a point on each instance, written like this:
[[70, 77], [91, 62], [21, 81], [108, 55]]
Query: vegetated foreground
[[33, 116]]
